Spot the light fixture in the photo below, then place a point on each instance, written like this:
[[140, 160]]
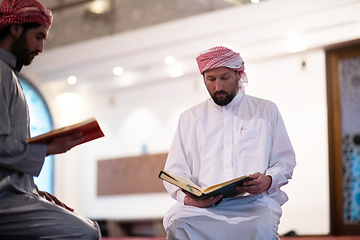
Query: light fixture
[[99, 6], [118, 71], [72, 80], [170, 60], [255, 1]]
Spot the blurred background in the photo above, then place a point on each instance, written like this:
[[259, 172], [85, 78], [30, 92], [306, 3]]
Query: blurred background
[[131, 65]]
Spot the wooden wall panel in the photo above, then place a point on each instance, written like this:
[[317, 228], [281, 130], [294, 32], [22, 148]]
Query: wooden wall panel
[[130, 175]]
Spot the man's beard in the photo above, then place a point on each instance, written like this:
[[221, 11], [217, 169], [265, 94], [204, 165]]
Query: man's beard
[[21, 51], [229, 96], [225, 101]]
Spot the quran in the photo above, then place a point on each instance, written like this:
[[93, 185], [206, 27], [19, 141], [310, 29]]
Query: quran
[[89, 128], [227, 189]]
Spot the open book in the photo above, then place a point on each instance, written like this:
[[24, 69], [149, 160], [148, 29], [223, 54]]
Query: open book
[[227, 189], [89, 128]]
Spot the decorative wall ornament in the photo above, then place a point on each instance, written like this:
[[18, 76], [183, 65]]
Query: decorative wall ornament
[[349, 81]]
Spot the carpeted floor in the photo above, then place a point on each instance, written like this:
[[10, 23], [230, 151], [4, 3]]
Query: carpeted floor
[[282, 238], [322, 238]]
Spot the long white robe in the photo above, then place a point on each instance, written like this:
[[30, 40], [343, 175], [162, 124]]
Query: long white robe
[[214, 144]]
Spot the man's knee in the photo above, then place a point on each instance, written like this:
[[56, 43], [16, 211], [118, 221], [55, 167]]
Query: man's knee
[[261, 228], [206, 228], [177, 229], [92, 231]]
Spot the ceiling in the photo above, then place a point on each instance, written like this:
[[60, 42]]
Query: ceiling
[[258, 31], [74, 21]]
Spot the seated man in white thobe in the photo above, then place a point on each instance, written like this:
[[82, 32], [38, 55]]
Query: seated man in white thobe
[[26, 212], [229, 135]]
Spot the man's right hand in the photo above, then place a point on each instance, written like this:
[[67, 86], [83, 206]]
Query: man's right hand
[[64, 144], [192, 200]]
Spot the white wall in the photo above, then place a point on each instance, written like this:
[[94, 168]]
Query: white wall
[[300, 94], [146, 112]]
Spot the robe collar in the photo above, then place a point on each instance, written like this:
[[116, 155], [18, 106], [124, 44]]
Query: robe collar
[[9, 59], [233, 102]]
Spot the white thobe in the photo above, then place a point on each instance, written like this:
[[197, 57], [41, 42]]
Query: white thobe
[[214, 144]]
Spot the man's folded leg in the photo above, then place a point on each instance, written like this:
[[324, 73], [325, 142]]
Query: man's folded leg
[[251, 221], [28, 217]]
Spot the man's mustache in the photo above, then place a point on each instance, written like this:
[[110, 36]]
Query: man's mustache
[[34, 52], [220, 92]]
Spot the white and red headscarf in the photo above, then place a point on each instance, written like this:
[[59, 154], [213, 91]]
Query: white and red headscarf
[[222, 57], [24, 11]]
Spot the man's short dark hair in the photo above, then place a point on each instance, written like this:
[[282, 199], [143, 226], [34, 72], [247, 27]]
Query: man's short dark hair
[[26, 26], [236, 72], [4, 32]]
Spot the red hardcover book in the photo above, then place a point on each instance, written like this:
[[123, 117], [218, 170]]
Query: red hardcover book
[[90, 129]]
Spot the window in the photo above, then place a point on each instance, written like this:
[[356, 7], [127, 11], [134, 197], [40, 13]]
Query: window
[[40, 122]]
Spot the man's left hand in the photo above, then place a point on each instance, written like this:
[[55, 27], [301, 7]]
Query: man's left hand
[[258, 185], [52, 198]]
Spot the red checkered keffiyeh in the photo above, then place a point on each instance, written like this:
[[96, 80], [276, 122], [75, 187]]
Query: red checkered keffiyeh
[[222, 57], [24, 11]]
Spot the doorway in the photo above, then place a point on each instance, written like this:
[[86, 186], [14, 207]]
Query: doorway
[[343, 94]]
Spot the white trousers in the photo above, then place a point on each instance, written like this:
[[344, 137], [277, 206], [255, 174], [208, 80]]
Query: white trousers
[[243, 219]]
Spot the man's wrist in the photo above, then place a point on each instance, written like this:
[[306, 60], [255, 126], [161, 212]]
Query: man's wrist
[[270, 182]]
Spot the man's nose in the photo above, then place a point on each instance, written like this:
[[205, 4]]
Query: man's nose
[[218, 85], [40, 46]]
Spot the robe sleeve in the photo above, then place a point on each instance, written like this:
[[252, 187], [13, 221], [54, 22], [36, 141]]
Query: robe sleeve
[[16, 154], [20, 156], [282, 157], [177, 161]]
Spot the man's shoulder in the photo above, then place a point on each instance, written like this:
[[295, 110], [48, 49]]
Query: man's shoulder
[[196, 112], [259, 101], [262, 106], [4, 67], [2, 63], [198, 107], [6, 75]]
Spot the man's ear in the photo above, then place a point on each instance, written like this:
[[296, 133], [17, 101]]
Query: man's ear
[[238, 75], [16, 30]]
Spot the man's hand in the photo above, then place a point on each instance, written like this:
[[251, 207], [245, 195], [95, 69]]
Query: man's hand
[[258, 185], [52, 198], [192, 200], [64, 144]]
